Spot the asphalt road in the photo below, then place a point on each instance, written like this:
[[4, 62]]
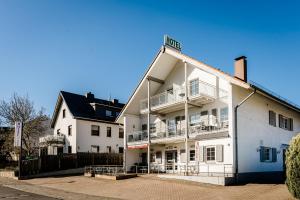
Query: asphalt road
[[9, 193]]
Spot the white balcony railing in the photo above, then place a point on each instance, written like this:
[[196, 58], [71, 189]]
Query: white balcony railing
[[206, 125], [196, 89], [201, 88], [164, 98], [52, 139]]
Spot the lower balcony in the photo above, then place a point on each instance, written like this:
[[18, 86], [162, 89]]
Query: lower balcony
[[198, 131], [57, 140]]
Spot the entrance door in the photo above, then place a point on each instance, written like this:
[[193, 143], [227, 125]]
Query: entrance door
[[144, 159], [171, 160]]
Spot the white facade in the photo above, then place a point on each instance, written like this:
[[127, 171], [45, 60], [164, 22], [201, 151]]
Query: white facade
[[211, 121], [78, 134]]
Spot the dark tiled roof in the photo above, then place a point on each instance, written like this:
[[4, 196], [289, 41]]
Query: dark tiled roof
[[83, 107]]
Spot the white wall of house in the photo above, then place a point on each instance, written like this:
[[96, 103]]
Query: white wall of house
[[81, 139], [85, 139], [62, 125], [254, 131], [176, 78]]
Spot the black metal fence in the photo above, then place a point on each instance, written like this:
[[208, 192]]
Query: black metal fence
[[49, 163], [78, 160]]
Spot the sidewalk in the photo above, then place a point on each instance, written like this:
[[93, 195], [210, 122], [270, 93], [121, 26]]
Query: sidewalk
[[147, 187], [46, 191]]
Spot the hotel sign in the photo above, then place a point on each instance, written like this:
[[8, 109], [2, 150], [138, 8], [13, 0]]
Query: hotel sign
[[168, 41], [18, 134]]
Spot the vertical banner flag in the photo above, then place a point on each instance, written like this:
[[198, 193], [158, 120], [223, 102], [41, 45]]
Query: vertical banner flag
[[18, 131]]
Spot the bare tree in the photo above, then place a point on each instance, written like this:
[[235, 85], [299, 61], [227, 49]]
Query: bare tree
[[20, 108]]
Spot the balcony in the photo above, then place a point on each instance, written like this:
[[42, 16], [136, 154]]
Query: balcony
[[163, 100], [57, 140], [207, 127], [172, 100]]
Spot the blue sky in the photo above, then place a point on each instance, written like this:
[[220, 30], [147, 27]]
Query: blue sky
[[106, 46]]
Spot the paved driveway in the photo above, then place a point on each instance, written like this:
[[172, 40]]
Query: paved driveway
[[9, 193], [150, 187]]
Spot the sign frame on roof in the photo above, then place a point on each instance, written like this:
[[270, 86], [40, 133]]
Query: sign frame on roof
[[168, 41]]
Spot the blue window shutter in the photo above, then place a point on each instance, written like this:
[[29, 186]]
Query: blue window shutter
[[262, 149], [274, 155]]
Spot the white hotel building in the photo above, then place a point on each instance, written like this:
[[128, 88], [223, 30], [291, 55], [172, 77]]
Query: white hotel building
[[199, 123]]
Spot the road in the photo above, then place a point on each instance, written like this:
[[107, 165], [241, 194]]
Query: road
[[9, 193]]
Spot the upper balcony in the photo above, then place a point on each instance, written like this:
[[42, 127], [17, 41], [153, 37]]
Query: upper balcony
[[199, 93], [57, 140]]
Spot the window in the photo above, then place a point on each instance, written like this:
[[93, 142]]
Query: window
[[194, 87], [108, 148], [152, 157], [108, 113], [121, 149], [144, 127], [285, 123], [158, 157], [95, 148], [117, 114], [268, 154], [64, 113], [194, 118], [210, 153], [182, 155], [58, 132], [121, 133], [95, 130], [152, 128], [69, 149], [224, 114], [192, 155], [214, 112], [272, 118], [70, 130], [108, 131]]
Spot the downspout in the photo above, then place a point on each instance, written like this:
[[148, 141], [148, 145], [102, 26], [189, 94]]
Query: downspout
[[236, 132]]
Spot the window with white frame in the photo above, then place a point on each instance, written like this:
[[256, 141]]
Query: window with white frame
[[268, 154], [285, 123], [95, 130], [194, 118], [95, 148], [70, 130], [108, 131], [108, 113], [210, 153], [194, 87], [152, 128], [192, 155], [272, 118]]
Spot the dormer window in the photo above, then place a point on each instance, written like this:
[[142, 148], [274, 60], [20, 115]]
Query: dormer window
[[108, 113]]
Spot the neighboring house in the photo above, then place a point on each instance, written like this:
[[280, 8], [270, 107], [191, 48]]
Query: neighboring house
[[6, 152], [83, 123], [189, 118]]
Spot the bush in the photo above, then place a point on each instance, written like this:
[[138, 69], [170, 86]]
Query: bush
[[293, 167]]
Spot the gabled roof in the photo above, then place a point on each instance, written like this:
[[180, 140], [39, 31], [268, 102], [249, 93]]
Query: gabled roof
[[168, 57], [81, 107]]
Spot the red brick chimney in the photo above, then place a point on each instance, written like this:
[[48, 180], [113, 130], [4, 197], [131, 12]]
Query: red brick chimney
[[240, 68]]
